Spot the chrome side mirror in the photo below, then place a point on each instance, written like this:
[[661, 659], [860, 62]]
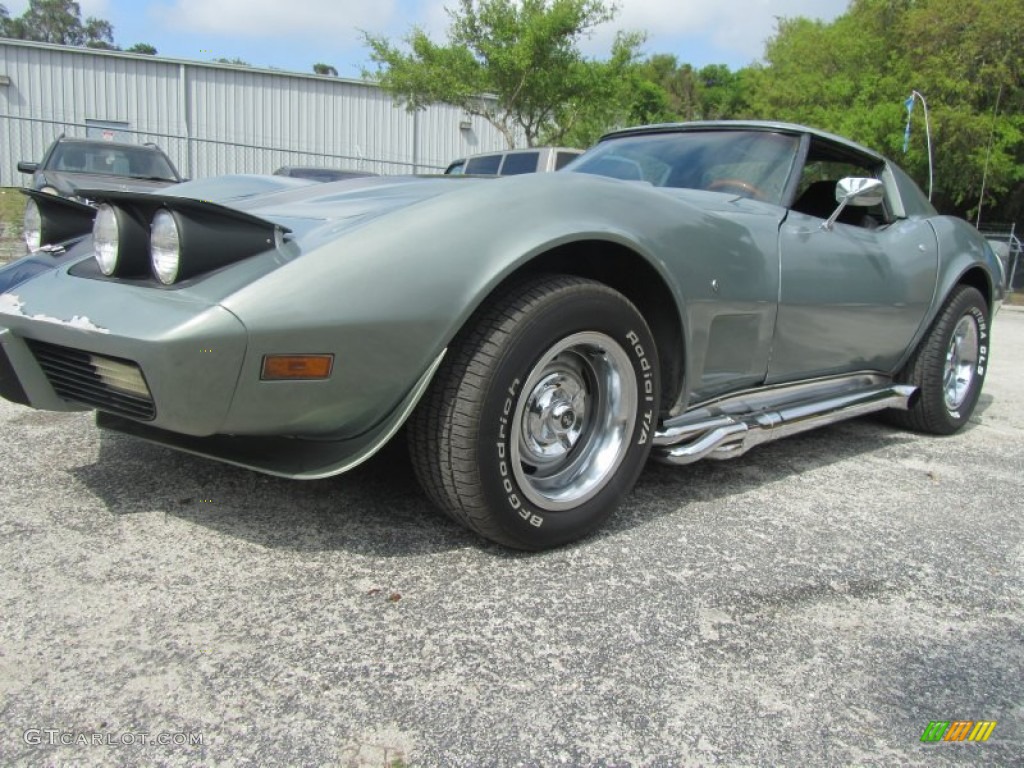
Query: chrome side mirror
[[859, 192]]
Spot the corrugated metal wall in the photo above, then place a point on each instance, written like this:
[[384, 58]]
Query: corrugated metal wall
[[213, 119]]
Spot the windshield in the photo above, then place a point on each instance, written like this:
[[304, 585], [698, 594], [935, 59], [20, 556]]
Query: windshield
[[110, 160], [754, 164]]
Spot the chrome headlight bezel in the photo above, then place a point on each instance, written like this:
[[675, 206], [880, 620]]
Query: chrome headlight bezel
[[120, 242], [32, 226], [106, 239], [165, 246]]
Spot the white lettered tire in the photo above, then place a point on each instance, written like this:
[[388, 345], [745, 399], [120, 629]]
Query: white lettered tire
[[949, 366], [542, 415]]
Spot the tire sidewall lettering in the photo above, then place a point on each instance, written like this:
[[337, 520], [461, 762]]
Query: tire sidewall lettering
[[645, 417], [506, 432], [967, 406]]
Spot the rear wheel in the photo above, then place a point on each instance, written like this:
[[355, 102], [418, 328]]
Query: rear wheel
[[949, 365], [541, 417]]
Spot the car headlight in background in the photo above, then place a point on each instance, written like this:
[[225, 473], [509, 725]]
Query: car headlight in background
[[33, 226], [165, 247]]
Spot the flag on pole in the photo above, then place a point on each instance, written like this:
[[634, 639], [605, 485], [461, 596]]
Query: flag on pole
[[909, 104]]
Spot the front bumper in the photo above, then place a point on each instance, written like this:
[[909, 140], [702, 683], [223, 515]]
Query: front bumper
[[187, 355], [182, 367]]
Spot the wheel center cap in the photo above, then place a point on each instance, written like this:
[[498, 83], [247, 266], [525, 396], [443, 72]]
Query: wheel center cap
[[567, 419], [560, 417], [554, 416]]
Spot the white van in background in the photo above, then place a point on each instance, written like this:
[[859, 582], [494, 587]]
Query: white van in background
[[515, 161]]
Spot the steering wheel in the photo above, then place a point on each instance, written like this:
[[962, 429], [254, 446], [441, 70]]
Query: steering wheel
[[741, 187]]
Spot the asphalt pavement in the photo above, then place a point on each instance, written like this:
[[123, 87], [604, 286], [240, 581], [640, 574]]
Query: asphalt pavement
[[819, 601]]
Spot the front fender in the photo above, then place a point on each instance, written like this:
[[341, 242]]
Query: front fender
[[388, 295]]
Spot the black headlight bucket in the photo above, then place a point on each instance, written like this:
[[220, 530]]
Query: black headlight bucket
[[60, 219], [210, 235], [207, 240], [132, 242]]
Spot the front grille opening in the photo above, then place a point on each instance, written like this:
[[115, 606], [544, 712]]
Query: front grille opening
[[108, 383]]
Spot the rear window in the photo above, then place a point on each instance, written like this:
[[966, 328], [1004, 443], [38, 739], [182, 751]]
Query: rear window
[[520, 162], [485, 164]]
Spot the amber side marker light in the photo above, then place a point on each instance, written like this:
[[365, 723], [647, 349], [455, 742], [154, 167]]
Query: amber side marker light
[[292, 367]]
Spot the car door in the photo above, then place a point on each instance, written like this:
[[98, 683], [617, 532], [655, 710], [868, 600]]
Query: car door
[[851, 298]]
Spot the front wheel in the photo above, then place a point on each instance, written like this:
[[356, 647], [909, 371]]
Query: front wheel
[[541, 417], [948, 366]]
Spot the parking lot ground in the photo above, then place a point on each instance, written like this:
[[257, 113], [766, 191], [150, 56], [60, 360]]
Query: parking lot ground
[[818, 601]]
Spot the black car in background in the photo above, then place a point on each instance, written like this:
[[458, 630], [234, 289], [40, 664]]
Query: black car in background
[[72, 164]]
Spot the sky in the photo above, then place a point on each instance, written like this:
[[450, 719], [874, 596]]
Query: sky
[[295, 34]]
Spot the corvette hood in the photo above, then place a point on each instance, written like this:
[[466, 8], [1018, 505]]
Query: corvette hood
[[310, 206], [307, 207]]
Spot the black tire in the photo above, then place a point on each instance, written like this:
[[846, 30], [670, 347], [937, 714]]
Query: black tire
[[574, 350], [938, 408]]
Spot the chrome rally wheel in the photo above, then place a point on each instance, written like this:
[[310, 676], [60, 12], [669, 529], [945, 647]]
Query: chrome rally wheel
[[541, 417], [949, 365], [961, 362], [575, 420]]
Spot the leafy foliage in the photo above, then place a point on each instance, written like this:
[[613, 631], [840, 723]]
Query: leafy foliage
[[525, 54], [852, 76], [58, 21], [145, 48], [324, 69]]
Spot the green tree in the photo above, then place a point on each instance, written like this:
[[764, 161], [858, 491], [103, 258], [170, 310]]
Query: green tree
[[722, 93], [59, 21], [145, 48], [967, 58], [678, 83], [852, 75], [237, 61], [325, 69], [523, 54], [713, 92], [608, 95], [99, 33]]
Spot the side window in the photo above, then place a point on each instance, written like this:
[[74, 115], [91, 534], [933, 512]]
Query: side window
[[520, 162], [485, 164], [816, 191], [562, 159]]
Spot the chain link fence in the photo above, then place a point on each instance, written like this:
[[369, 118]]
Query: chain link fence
[[1006, 241], [194, 157]]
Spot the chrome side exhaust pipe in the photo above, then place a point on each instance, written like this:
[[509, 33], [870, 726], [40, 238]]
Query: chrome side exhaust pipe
[[725, 437]]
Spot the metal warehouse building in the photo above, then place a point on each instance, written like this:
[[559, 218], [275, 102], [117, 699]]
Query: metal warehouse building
[[213, 119]]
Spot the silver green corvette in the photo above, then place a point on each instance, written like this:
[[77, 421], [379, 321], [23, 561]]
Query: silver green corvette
[[679, 291]]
